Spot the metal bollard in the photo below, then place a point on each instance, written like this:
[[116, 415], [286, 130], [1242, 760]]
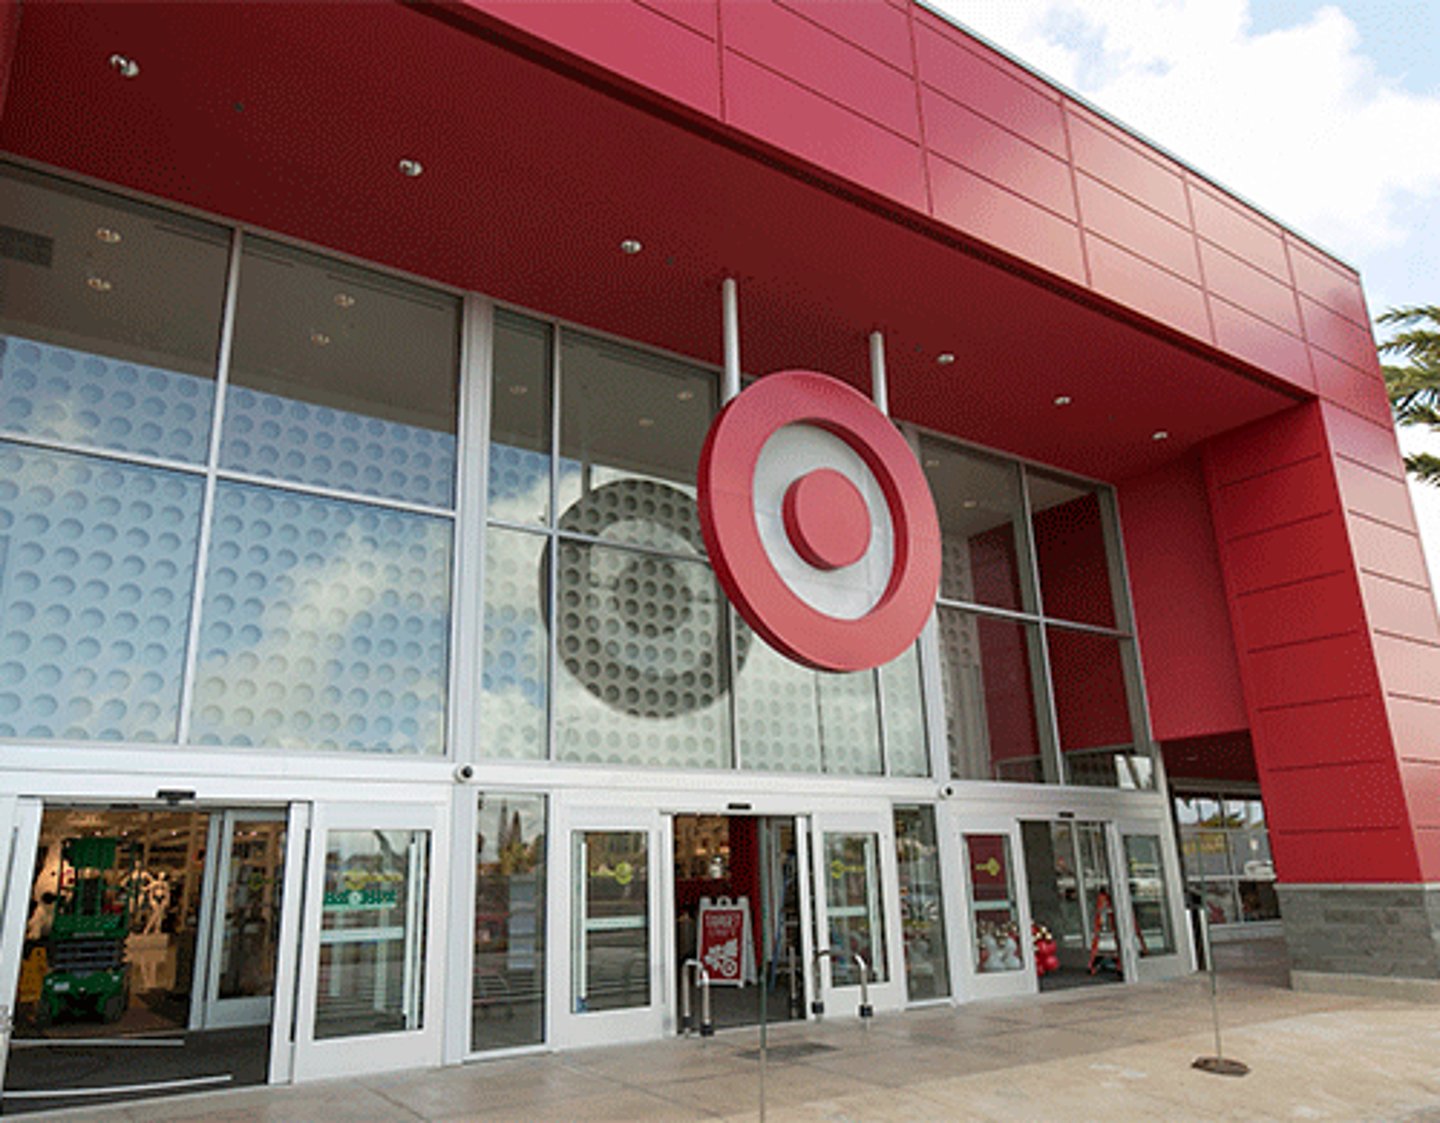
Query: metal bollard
[[687, 1016], [817, 1004], [866, 1010], [791, 974], [707, 1023]]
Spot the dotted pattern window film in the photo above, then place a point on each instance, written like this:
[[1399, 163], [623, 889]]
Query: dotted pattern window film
[[905, 747], [325, 625], [82, 398], [96, 576], [516, 647]]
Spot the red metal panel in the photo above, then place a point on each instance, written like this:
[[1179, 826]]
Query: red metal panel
[[811, 56], [878, 28], [978, 207], [1385, 549], [1326, 281], [1282, 439], [1416, 724], [698, 15], [1336, 731], [796, 120], [1401, 608], [1267, 347], [1345, 340], [9, 35], [1308, 799], [1140, 230], [1135, 283], [1362, 439], [1303, 610], [974, 142], [965, 76], [1375, 495], [1247, 236], [1408, 666], [1099, 150], [1289, 553], [1249, 288], [1355, 389], [1314, 671], [1192, 680], [627, 38], [1422, 791], [1288, 494], [1343, 857]]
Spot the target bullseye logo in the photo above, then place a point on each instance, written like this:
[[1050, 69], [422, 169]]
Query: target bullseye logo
[[819, 522]]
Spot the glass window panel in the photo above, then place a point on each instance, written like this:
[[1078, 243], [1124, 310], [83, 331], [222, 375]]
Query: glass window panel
[[776, 709], [1056, 900], [610, 963], [906, 751], [97, 564], [520, 421], [630, 416], [1258, 900], [849, 723], [1242, 813], [1145, 869], [643, 670], [109, 319], [922, 906], [1250, 855], [981, 525], [1201, 810], [1206, 853], [1092, 711], [326, 625], [372, 933], [516, 669], [995, 943], [1070, 531], [508, 996], [250, 938], [342, 378], [852, 907], [989, 674], [1221, 904]]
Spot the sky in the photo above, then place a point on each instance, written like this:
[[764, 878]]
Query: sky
[[1324, 115]]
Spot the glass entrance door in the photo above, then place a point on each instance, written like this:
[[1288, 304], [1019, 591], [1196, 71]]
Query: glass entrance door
[[370, 971], [240, 930], [610, 912], [19, 832], [857, 912], [1000, 939], [1151, 906]]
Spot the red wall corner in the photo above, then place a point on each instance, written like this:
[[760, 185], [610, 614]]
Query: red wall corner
[[9, 36]]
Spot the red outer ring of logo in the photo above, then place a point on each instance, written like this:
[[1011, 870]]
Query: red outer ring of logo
[[754, 586]]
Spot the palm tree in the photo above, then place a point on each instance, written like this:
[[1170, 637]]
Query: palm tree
[[1415, 387]]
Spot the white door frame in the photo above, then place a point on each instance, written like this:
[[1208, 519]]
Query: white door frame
[[993, 984], [889, 995], [316, 1058], [19, 835], [287, 959], [1148, 967]]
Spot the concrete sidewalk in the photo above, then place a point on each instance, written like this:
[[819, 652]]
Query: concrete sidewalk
[[1104, 1053]]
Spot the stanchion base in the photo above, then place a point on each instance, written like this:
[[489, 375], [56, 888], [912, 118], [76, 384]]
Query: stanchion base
[[817, 1008], [867, 1011], [1221, 1066], [707, 1031]]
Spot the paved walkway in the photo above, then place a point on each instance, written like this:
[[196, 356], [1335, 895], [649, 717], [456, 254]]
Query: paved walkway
[[1110, 1053]]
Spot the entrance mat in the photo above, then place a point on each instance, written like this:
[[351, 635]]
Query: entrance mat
[[794, 1051]]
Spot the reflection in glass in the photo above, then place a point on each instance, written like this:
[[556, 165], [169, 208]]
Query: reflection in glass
[[989, 667], [1092, 712], [610, 958], [906, 751], [1224, 843], [372, 933], [342, 378], [626, 414], [109, 319], [97, 564], [508, 996], [1145, 872], [252, 909], [982, 527], [1071, 527], [996, 942], [922, 906], [852, 907], [643, 667], [325, 625], [519, 478], [515, 670]]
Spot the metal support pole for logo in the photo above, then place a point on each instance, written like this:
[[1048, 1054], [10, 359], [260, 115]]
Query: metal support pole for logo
[[879, 386], [730, 319], [1219, 1064]]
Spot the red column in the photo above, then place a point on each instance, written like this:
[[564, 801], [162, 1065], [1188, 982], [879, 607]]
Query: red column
[[9, 36]]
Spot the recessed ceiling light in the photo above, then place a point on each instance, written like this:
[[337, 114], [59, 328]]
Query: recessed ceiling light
[[108, 236], [344, 300], [646, 422], [410, 167], [123, 66], [1062, 400], [320, 339], [969, 504], [631, 246], [99, 284], [931, 462], [945, 358], [1159, 435], [685, 395], [519, 389]]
